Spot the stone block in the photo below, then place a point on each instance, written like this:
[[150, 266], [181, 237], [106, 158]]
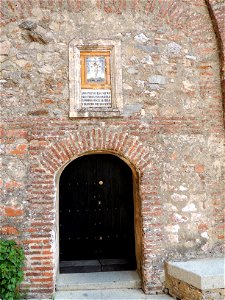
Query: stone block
[[148, 48], [5, 47], [130, 109], [157, 79], [203, 274], [173, 48], [141, 38], [28, 25]]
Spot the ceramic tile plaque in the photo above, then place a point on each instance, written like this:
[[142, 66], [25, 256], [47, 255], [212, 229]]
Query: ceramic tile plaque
[[95, 78], [95, 69]]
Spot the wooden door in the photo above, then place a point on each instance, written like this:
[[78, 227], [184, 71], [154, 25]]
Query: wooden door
[[96, 215]]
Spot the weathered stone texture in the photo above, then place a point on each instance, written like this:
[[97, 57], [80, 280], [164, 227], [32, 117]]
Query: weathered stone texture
[[184, 291], [171, 128]]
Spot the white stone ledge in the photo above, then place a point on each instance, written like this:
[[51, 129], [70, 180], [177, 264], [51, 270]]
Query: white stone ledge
[[98, 281], [204, 274]]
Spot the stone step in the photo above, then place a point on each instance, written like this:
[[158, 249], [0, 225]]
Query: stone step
[[98, 281], [204, 274], [109, 294]]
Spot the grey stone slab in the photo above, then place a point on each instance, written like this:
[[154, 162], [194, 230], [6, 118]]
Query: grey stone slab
[[130, 109], [98, 280], [132, 71], [29, 25], [205, 274], [124, 294], [157, 79], [173, 48], [141, 38], [158, 297], [84, 294], [148, 48]]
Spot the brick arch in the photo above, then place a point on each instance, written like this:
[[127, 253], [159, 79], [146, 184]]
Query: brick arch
[[43, 202], [63, 151]]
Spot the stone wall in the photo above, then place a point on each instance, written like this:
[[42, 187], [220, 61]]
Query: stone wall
[[171, 128]]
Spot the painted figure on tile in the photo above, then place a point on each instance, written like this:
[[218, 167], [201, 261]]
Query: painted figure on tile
[[95, 69]]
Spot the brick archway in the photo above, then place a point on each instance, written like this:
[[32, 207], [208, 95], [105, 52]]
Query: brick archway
[[43, 200]]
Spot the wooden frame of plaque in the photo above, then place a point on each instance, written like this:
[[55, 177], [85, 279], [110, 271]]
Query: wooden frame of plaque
[[95, 70]]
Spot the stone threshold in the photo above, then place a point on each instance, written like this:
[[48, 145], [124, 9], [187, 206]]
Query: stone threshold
[[98, 281], [109, 294]]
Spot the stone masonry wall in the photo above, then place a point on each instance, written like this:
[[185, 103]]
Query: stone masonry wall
[[171, 129]]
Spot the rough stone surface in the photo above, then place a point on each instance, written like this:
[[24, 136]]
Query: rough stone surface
[[5, 47], [141, 38], [173, 48], [180, 289], [29, 25], [171, 129]]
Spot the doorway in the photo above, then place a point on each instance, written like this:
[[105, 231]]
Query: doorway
[[96, 215]]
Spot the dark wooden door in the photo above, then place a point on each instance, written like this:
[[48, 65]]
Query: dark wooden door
[[96, 212]]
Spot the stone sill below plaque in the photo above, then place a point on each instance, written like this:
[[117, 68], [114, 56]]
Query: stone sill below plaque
[[96, 113]]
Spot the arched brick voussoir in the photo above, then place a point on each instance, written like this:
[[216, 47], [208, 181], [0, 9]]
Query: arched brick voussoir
[[73, 143], [66, 149], [81, 142], [50, 160]]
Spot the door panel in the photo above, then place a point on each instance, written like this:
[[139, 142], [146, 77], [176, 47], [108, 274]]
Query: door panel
[[96, 210]]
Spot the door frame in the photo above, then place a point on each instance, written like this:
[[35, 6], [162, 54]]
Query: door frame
[[137, 208]]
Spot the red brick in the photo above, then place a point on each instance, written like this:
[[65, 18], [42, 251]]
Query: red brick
[[44, 279], [47, 101], [202, 227], [9, 230], [13, 185], [42, 268], [19, 150], [19, 133], [44, 257], [13, 212], [199, 169]]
